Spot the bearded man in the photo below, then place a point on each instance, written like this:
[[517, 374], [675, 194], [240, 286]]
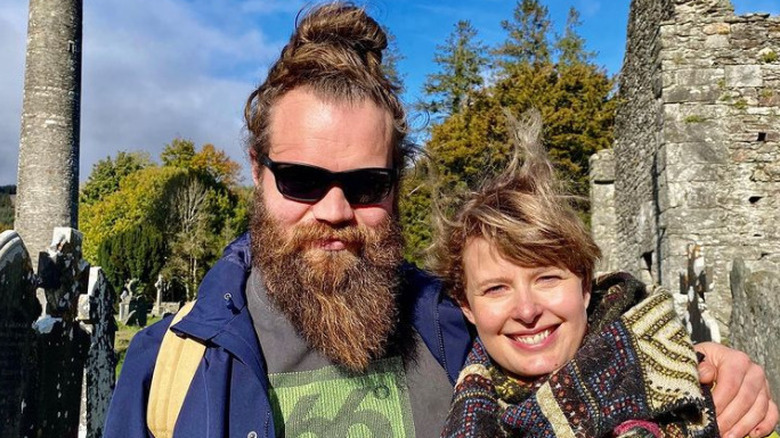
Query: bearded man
[[314, 326]]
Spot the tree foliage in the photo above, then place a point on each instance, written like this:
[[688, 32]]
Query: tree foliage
[[107, 173], [172, 219], [6, 212], [390, 59], [461, 60], [559, 79], [527, 39]]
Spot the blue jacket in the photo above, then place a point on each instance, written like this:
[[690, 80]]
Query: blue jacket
[[228, 396]]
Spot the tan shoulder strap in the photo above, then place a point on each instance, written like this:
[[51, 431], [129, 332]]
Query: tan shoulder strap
[[174, 370]]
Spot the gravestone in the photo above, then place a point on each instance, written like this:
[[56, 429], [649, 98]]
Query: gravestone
[[18, 309], [138, 310], [159, 286], [96, 310], [125, 298], [61, 343]]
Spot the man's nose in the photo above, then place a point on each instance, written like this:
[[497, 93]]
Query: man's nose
[[333, 208]]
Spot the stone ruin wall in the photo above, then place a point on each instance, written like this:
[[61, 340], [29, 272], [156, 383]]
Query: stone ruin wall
[[637, 127], [697, 148]]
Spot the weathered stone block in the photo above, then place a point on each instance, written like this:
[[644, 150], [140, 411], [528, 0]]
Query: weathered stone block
[[697, 153], [743, 76], [602, 166], [717, 28], [682, 131], [683, 93], [717, 42]]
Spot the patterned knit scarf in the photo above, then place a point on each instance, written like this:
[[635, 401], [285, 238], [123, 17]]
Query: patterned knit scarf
[[634, 376]]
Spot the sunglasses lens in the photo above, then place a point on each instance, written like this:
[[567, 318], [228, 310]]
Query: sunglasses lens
[[367, 186], [310, 183], [303, 183]]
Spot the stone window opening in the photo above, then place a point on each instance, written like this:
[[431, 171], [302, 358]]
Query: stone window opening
[[754, 199], [762, 136]]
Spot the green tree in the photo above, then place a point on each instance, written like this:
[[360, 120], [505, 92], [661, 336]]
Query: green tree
[[173, 219], [178, 153], [136, 253], [575, 99], [414, 208], [571, 46], [390, 60], [527, 36], [461, 62], [107, 173], [6, 212]]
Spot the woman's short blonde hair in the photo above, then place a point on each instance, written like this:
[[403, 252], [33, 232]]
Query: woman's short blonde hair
[[523, 212]]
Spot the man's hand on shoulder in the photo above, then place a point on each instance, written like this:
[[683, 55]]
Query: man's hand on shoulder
[[743, 402]]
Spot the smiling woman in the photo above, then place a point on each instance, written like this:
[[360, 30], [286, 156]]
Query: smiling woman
[[558, 354]]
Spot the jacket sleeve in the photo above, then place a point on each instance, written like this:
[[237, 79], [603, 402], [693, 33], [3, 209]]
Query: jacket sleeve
[[126, 416]]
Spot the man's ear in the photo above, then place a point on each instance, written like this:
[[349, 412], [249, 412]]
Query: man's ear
[[256, 168]]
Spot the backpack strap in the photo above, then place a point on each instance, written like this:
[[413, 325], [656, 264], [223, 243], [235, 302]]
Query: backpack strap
[[177, 362]]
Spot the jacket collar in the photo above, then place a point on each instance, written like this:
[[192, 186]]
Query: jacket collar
[[220, 315]]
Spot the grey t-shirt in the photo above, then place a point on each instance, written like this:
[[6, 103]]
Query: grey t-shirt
[[311, 396]]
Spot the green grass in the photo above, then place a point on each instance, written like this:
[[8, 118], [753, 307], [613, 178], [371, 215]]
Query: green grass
[[769, 57], [695, 119], [124, 335]]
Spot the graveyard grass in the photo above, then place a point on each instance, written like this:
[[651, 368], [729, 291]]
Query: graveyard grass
[[124, 335]]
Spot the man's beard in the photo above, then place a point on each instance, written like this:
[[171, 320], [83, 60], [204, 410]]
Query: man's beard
[[343, 303]]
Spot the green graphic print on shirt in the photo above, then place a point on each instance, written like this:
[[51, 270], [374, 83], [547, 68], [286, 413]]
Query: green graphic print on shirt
[[331, 402]]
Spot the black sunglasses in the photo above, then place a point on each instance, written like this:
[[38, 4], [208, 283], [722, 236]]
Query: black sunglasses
[[305, 183]]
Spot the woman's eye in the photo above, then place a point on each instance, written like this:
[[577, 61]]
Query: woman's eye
[[493, 289]]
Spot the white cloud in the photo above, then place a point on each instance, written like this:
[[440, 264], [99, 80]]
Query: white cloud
[[151, 71]]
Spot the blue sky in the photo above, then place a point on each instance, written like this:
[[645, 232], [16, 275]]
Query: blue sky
[[153, 71]]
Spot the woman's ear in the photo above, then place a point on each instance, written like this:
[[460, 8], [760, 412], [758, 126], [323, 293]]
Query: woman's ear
[[466, 309], [586, 294]]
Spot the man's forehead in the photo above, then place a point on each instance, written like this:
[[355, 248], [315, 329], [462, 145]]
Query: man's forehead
[[303, 120]]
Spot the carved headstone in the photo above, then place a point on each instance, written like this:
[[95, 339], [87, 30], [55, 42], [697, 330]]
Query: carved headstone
[[125, 298], [62, 343], [755, 318], [18, 309], [101, 361], [138, 310]]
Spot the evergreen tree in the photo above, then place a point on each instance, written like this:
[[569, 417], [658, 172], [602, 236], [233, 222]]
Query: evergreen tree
[[527, 37], [461, 62], [390, 60], [573, 95], [571, 46]]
